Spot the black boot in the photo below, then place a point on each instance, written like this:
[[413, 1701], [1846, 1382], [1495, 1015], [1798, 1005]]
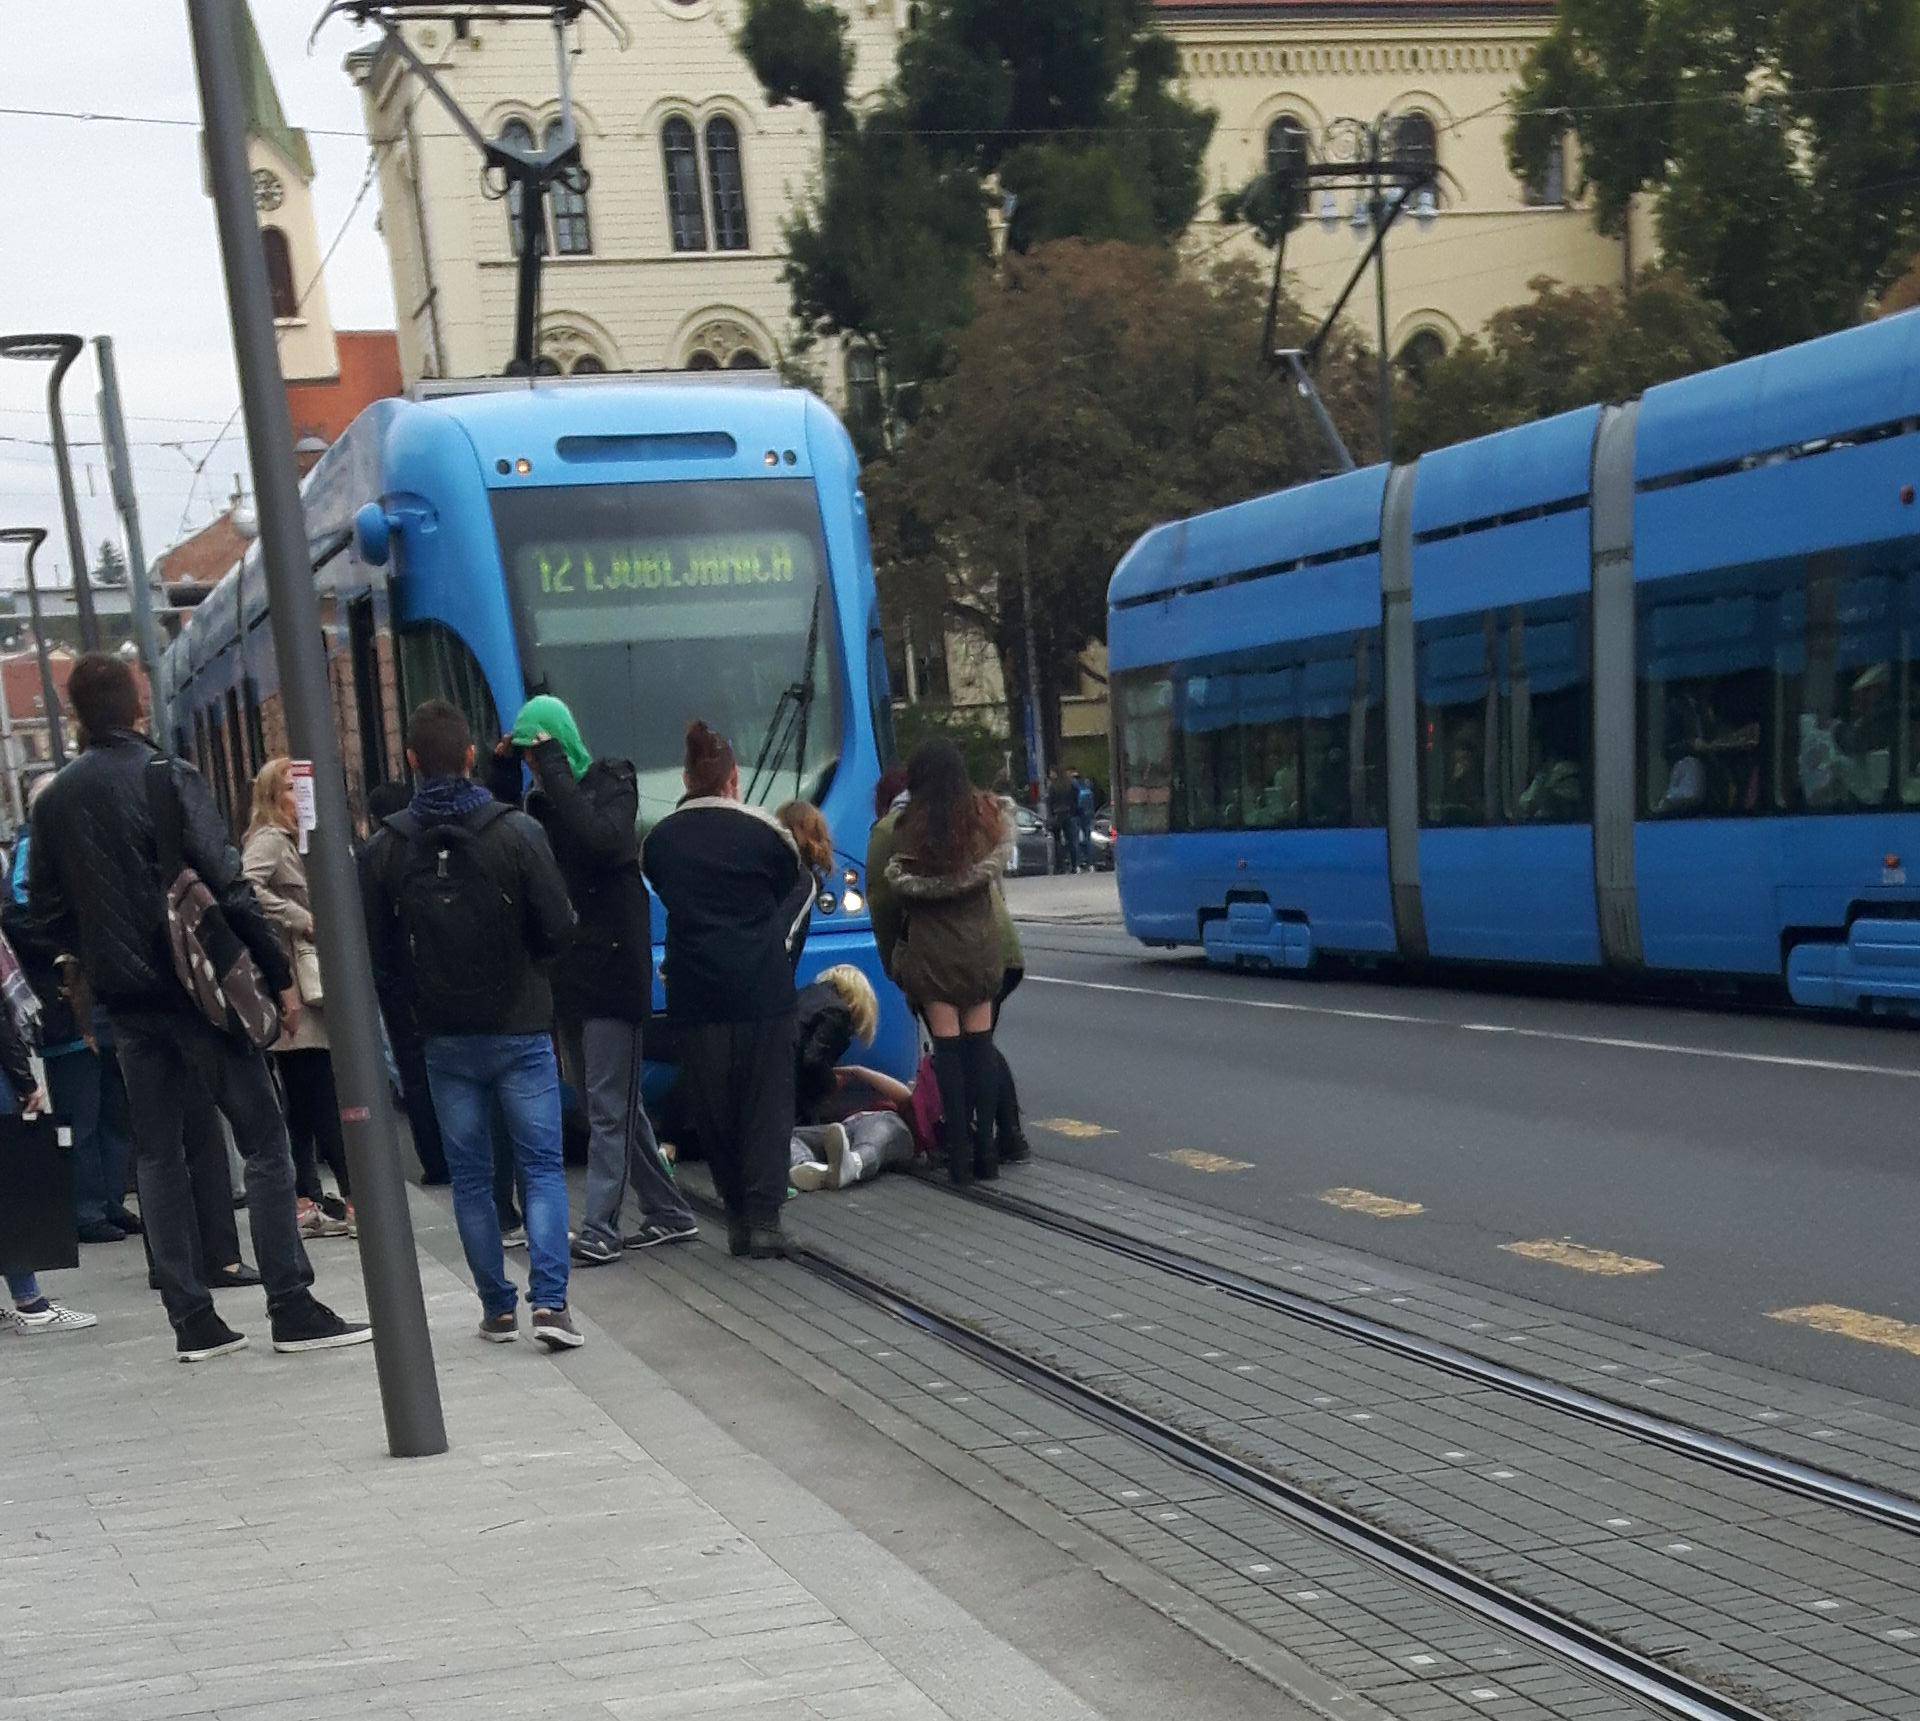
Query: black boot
[[1010, 1140], [983, 1090], [956, 1126]]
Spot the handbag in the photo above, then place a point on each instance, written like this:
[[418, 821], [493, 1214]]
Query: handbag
[[210, 961], [36, 1196], [306, 973]]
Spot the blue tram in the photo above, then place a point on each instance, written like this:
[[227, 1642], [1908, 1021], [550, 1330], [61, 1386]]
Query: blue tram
[[1632, 688], [648, 551]]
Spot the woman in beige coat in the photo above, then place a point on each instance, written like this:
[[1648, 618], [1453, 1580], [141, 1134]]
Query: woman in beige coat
[[278, 873]]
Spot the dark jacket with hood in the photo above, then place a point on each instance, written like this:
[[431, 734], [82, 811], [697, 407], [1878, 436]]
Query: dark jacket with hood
[[592, 825], [94, 885], [736, 894]]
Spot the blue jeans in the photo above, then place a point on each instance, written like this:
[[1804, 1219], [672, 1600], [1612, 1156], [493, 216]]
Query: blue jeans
[[24, 1288], [469, 1075]]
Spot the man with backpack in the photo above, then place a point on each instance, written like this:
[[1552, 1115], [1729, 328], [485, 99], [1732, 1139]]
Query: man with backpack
[[131, 870], [465, 900]]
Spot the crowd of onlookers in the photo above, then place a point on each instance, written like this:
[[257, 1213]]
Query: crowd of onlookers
[[164, 999]]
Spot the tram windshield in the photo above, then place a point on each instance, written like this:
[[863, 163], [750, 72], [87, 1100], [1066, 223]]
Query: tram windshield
[[646, 605]]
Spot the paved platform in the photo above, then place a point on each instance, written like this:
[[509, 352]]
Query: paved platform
[[1076, 899], [231, 1540]]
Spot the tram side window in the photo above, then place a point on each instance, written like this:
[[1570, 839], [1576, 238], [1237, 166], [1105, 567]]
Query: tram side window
[[1459, 718], [1212, 777], [1850, 733], [436, 663], [1146, 753]]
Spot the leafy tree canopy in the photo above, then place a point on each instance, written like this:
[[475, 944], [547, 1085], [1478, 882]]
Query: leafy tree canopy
[[1782, 138], [1071, 108], [1103, 389], [1565, 348]]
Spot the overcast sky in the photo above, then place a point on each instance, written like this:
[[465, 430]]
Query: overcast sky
[[108, 232]]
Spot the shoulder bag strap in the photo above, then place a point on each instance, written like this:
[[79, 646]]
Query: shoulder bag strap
[[163, 802]]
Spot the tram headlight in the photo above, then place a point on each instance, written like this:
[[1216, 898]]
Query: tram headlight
[[851, 898]]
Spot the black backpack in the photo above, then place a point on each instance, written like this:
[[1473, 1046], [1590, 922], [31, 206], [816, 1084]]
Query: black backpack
[[466, 946]]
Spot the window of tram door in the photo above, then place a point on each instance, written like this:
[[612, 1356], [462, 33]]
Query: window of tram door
[[436, 663], [1546, 714], [1146, 753], [1714, 650], [1212, 776]]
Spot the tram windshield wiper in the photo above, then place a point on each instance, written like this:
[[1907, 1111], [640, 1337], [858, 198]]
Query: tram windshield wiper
[[792, 716]]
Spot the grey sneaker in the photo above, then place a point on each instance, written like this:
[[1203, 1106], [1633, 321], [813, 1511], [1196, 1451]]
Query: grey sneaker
[[516, 1238], [554, 1329], [594, 1251], [654, 1232], [500, 1329]]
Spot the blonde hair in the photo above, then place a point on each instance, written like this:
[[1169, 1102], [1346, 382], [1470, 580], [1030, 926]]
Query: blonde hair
[[807, 825], [856, 992], [268, 787]]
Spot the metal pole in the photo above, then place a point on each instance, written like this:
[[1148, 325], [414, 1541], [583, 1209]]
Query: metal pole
[[1377, 208], [9, 749], [1038, 715], [70, 504], [403, 1349], [113, 430], [49, 694]]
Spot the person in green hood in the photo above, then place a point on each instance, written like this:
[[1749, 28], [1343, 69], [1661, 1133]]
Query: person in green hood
[[603, 985]]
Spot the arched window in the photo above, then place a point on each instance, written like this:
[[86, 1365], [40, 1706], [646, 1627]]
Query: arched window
[[572, 237], [286, 302], [685, 216], [1423, 350], [729, 185], [702, 360], [1416, 141], [546, 365], [517, 134], [1287, 156], [588, 364], [746, 359]]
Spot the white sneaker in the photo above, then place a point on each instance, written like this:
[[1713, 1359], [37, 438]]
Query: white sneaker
[[809, 1176], [54, 1318]]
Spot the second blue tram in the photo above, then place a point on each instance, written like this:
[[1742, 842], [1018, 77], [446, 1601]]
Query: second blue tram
[[648, 551], [1632, 688]]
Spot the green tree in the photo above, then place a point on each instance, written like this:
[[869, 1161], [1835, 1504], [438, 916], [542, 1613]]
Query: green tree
[[1068, 111], [111, 569], [1781, 138], [1101, 389], [1564, 348]]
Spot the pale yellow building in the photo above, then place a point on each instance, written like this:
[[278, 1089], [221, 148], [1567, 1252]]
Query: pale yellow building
[[1280, 73]]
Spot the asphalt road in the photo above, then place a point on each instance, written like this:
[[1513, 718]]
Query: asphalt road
[[1764, 1161]]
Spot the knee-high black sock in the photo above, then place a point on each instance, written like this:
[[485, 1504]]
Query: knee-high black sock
[[983, 1084], [956, 1129]]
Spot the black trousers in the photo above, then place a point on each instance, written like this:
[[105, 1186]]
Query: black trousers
[[410, 1056], [313, 1120], [738, 1078], [216, 1236], [165, 1057]]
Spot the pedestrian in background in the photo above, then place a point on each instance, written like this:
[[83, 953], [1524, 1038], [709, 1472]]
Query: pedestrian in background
[[94, 887], [33, 1312], [603, 984], [1061, 815], [1084, 807], [278, 873], [464, 894], [949, 959], [736, 894]]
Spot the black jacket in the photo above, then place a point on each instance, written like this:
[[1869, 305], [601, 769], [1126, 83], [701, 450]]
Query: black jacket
[[592, 824], [736, 893], [94, 885], [515, 852], [825, 1031]]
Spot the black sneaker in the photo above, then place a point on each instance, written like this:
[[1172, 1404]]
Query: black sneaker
[[206, 1336], [236, 1277], [307, 1324], [594, 1251], [766, 1242], [100, 1231], [1014, 1149], [654, 1232], [128, 1222]]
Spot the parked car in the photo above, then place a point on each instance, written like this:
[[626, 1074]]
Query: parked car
[[1103, 840], [1032, 846]]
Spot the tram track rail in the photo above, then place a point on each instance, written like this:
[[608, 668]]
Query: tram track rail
[[1721, 1453], [1651, 1683]]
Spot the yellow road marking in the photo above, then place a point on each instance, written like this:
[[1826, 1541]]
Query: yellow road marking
[[1072, 1126], [1562, 1253], [1855, 1324], [1374, 1206], [1194, 1160]]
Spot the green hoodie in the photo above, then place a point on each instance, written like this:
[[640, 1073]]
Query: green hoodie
[[543, 714]]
